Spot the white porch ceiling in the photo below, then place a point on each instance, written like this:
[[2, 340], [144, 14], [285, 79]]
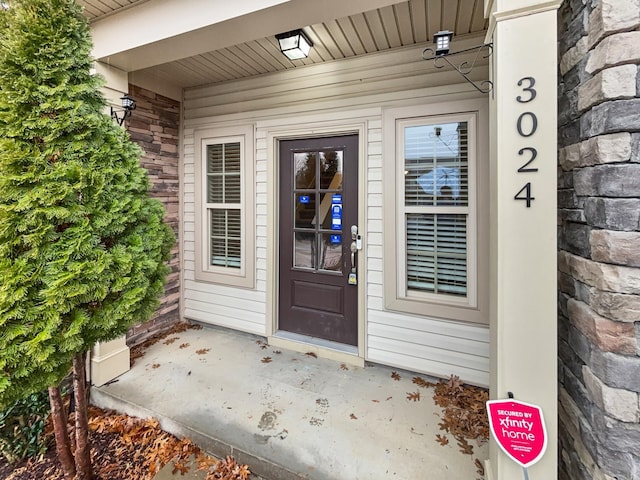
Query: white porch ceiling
[[402, 24]]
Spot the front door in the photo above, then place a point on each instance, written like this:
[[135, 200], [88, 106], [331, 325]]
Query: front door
[[318, 294]]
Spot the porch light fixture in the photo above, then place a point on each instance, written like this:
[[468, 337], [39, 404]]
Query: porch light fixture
[[440, 56], [294, 44], [124, 112]]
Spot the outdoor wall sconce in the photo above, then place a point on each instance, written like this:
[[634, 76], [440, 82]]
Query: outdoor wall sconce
[[121, 114], [440, 56], [294, 44]]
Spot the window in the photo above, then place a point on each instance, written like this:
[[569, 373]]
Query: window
[[436, 195], [224, 213]]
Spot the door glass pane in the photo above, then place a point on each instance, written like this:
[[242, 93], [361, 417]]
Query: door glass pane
[[304, 249], [331, 170], [437, 253], [330, 213], [305, 210], [304, 170], [331, 252], [436, 164]]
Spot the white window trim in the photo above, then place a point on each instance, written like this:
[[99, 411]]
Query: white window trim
[[245, 275], [474, 307]]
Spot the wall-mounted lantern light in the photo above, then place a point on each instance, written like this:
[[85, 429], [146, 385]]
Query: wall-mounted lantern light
[[440, 55], [294, 44], [442, 39], [121, 114]]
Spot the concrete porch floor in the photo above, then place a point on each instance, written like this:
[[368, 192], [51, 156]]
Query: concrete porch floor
[[293, 417]]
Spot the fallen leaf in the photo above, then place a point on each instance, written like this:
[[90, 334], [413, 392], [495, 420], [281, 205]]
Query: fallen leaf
[[343, 366], [353, 417], [277, 352], [184, 345], [375, 401], [480, 467], [266, 360], [396, 376], [442, 440], [415, 396], [169, 341], [155, 365], [311, 354], [202, 351], [421, 382]]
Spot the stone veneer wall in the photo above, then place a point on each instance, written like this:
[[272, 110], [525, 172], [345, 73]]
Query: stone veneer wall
[[154, 125], [599, 239]]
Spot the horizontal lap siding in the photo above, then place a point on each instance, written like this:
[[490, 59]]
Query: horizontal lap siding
[[418, 343]]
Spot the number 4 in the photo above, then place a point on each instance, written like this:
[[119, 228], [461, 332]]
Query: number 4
[[525, 194]]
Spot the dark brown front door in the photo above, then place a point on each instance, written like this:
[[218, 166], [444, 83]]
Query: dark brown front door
[[318, 296]]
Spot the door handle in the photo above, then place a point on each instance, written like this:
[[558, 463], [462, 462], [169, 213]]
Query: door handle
[[354, 249]]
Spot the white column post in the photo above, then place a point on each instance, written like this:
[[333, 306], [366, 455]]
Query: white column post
[[523, 220], [110, 359]]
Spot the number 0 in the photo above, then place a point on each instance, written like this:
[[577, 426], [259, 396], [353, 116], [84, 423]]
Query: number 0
[[532, 128]]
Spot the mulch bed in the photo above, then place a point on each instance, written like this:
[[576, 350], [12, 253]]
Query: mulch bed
[[126, 448]]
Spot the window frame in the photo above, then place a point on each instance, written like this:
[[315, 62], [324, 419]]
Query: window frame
[[397, 296], [204, 271]]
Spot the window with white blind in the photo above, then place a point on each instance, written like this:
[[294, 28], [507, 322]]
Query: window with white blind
[[434, 250], [225, 231]]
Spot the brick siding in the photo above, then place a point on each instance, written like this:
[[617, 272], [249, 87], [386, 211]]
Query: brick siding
[[155, 126]]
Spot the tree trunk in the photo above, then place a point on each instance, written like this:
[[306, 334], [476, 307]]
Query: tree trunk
[[83, 451], [63, 444]]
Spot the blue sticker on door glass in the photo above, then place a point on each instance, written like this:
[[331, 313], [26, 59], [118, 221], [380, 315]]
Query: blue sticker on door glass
[[336, 239], [336, 198], [336, 211], [303, 198]]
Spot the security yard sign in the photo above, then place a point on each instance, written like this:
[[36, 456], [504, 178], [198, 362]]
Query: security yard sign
[[519, 429]]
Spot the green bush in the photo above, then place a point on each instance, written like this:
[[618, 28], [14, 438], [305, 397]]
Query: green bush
[[22, 427]]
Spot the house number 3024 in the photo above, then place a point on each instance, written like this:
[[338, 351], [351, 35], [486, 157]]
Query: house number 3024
[[526, 125]]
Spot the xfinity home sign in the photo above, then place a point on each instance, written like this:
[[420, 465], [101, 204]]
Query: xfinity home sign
[[519, 429]]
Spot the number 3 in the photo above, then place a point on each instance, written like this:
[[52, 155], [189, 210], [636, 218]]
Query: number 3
[[530, 89]]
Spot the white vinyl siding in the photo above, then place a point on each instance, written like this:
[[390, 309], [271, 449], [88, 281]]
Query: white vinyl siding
[[419, 341]]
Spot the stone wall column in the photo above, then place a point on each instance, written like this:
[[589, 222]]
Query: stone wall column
[[523, 220]]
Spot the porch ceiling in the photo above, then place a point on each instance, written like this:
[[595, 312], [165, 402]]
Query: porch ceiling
[[399, 25]]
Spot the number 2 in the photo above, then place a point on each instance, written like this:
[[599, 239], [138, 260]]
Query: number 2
[[534, 154]]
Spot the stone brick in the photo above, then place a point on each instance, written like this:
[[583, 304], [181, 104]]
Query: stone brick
[[617, 371], [573, 26], [635, 137], [579, 344], [605, 277], [608, 84], [613, 148], [622, 248], [609, 335], [573, 56], [613, 213], [616, 49], [611, 117], [616, 306], [569, 133], [574, 237], [569, 157], [611, 16], [619, 404], [608, 180]]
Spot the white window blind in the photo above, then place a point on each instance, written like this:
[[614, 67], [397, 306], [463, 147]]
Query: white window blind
[[224, 204], [436, 208]]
